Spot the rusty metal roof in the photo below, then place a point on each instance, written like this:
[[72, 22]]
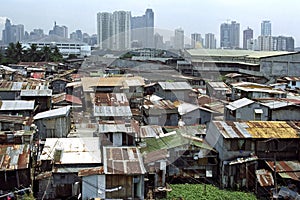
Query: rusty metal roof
[[161, 104], [91, 171], [257, 129], [13, 157], [66, 97], [150, 131], [120, 81], [287, 169], [72, 150], [111, 99], [123, 160], [264, 177]]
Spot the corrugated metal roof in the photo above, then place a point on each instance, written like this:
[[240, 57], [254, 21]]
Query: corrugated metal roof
[[218, 85], [16, 105], [264, 177], [112, 111], [150, 131], [156, 156], [119, 81], [292, 78], [91, 171], [162, 104], [239, 103], [72, 150], [32, 93], [111, 99], [65, 97], [123, 160], [14, 157], [175, 85], [257, 129], [53, 113], [185, 108], [287, 169], [277, 104]]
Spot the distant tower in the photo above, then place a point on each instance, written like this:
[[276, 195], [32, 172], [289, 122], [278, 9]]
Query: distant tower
[[266, 29], [196, 40], [210, 41], [247, 35], [179, 38], [230, 35], [114, 30]]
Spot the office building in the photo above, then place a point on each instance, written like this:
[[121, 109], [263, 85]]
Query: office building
[[12, 33], [114, 30], [158, 41], [284, 43], [61, 31], [210, 41], [266, 29], [77, 35], [196, 41], [142, 29], [179, 39], [230, 35], [247, 36], [265, 43]]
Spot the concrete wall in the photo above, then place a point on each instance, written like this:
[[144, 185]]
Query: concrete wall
[[285, 65]]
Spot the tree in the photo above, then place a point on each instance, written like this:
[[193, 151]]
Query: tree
[[18, 52], [46, 53], [56, 55], [11, 54], [32, 54]]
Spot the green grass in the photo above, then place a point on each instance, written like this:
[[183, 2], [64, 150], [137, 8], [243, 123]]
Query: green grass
[[197, 191]]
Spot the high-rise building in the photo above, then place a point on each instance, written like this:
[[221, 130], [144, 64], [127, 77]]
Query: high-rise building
[[179, 39], [266, 29], [114, 30], [265, 43], [12, 33], [284, 43], [196, 41], [230, 35], [247, 35], [142, 29], [61, 31], [77, 35], [210, 41], [158, 41]]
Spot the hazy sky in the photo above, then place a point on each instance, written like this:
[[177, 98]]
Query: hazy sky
[[191, 15]]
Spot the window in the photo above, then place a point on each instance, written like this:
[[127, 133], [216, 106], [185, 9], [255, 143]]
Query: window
[[293, 83]]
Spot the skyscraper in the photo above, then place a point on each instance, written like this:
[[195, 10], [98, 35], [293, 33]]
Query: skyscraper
[[210, 41], [61, 31], [266, 29], [12, 33], [230, 35], [196, 40], [158, 41], [179, 39], [142, 29], [247, 35], [114, 30], [284, 43]]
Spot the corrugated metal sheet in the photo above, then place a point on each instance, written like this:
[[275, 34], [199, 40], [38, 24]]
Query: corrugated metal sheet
[[239, 103], [40, 92], [287, 169], [111, 99], [123, 160], [66, 97], [14, 157], [91, 171], [277, 104], [185, 108], [150, 131], [264, 177], [64, 111], [112, 111], [257, 129], [72, 150], [175, 85], [292, 78], [16, 105]]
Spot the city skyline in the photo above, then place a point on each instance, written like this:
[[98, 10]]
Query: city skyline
[[200, 17]]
